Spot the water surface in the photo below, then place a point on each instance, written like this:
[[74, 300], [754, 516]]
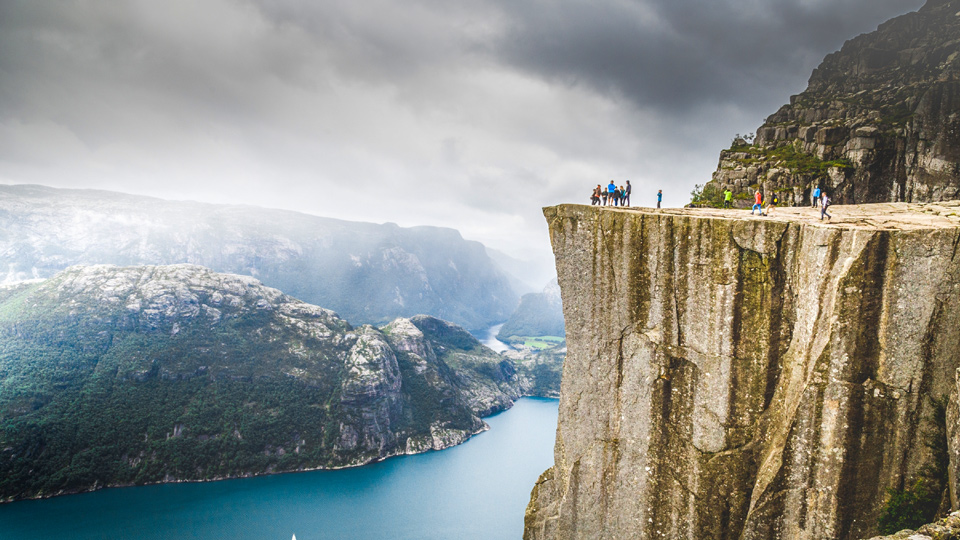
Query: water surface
[[490, 340], [477, 490]]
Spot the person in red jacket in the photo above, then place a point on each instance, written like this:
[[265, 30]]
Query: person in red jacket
[[757, 201]]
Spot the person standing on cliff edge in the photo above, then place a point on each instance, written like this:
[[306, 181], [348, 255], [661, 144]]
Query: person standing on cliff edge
[[626, 195], [757, 200], [659, 197], [816, 196], [727, 198]]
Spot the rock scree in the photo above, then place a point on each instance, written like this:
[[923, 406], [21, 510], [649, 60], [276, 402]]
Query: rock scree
[[733, 376]]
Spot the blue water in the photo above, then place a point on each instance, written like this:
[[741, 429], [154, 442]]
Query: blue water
[[477, 490]]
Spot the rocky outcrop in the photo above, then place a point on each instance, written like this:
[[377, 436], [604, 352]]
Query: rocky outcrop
[[129, 375], [751, 378], [879, 121]]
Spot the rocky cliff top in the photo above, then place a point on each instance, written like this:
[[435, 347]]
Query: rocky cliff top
[[904, 216]]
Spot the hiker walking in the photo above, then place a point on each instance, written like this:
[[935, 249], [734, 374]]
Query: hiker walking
[[773, 202], [659, 197], [757, 200], [626, 194], [816, 196], [727, 198], [824, 203]]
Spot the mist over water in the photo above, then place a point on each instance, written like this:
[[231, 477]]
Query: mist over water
[[478, 490]]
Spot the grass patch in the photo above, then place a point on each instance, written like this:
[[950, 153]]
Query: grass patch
[[539, 343]]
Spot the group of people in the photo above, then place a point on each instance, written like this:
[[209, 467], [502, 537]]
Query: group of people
[[819, 197], [612, 195]]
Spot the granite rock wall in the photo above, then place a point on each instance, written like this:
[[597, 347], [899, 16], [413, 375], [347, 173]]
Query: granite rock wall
[[752, 378]]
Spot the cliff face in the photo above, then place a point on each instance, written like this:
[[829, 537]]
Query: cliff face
[[129, 375], [879, 121], [753, 378]]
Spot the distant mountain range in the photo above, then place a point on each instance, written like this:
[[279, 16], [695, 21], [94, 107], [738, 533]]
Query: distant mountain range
[[129, 375], [365, 272]]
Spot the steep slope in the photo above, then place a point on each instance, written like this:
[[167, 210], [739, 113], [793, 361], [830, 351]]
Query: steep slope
[[879, 121], [127, 375], [367, 273], [738, 378]]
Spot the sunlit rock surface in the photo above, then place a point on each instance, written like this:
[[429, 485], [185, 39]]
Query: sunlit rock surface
[[736, 376]]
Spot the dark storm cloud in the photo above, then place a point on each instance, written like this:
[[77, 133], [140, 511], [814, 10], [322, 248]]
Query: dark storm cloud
[[678, 54]]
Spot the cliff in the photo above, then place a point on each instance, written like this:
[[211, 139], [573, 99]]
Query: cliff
[[730, 376], [879, 121], [131, 375]]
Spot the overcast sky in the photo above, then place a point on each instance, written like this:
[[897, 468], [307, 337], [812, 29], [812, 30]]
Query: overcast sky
[[461, 113]]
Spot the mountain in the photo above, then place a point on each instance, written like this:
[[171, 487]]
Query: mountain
[[539, 314], [129, 375], [367, 273], [879, 122]]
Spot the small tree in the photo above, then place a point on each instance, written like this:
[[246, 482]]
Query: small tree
[[706, 195]]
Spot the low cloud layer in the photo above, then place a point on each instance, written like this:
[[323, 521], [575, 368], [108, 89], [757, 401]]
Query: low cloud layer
[[469, 114]]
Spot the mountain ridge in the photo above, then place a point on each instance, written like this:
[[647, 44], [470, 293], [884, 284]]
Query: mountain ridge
[[369, 273]]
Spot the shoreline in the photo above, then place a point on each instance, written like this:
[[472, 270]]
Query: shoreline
[[400, 452]]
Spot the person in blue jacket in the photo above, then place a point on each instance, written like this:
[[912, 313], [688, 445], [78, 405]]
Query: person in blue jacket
[[611, 187], [659, 197], [816, 196]]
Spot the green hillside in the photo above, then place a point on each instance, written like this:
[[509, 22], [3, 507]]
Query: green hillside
[[116, 376]]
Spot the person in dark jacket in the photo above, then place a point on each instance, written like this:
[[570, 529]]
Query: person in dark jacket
[[595, 196]]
